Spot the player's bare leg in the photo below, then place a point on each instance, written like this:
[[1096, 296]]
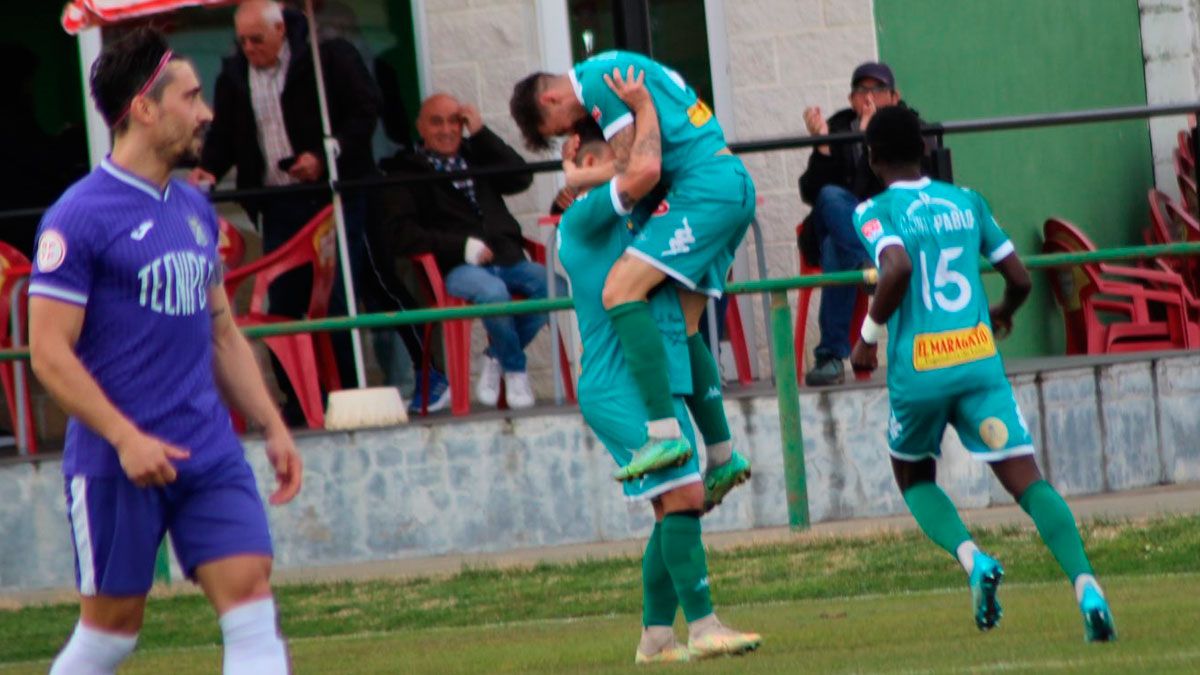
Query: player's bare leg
[[1056, 525], [625, 290], [105, 635], [239, 588]]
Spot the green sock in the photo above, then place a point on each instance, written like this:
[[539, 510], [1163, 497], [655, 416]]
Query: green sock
[[1056, 524], [659, 601], [684, 554], [706, 403], [642, 345], [936, 515]]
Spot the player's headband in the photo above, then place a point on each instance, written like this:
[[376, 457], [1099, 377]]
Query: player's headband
[[158, 71]]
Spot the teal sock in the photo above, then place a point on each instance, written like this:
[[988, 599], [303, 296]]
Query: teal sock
[[706, 403], [642, 345], [1056, 524], [936, 515], [684, 554], [659, 601]]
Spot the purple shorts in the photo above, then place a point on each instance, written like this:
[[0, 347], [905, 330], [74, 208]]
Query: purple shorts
[[117, 527]]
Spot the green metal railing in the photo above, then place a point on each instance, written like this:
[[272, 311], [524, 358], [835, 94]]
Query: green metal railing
[[784, 357]]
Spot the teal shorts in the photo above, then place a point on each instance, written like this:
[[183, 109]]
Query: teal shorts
[[988, 422], [694, 234], [619, 421]]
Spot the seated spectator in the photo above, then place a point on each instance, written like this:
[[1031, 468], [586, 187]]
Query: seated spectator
[[467, 227], [836, 180]]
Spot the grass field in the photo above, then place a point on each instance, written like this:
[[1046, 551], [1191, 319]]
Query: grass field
[[887, 603]]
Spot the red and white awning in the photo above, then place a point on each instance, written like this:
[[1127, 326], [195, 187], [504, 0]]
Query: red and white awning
[[81, 14]]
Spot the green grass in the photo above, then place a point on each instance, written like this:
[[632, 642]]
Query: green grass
[[886, 603]]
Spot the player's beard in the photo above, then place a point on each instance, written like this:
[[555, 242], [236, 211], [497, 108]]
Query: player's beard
[[189, 154]]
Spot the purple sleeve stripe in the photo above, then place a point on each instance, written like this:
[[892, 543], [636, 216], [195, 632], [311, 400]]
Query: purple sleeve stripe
[[42, 288]]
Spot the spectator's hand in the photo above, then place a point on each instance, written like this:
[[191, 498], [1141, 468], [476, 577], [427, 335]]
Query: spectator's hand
[[471, 118], [1001, 320], [815, 122], [289, 469], [868, 112], [198, 176], [147, 460], [477, 252], [864, 358], [630, 89], [565, 198], [307, 168]]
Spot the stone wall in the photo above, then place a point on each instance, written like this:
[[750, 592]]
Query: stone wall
[[501, 484], [1171, 47]]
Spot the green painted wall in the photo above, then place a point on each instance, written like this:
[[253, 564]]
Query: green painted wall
[[982, 58]]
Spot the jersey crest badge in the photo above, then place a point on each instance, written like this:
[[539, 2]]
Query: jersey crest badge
[[872, 229], [198, 231], [52, 251]]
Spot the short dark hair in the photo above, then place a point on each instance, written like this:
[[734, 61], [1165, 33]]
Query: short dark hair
[[894, 137], [526, 111], [591, 138], [123, 68]]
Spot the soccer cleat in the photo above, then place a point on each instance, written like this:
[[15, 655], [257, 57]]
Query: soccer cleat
[[654, 455], [1098, 623], [721, 479], [717, 639], [658, 645], [673, 654], [985, 580]]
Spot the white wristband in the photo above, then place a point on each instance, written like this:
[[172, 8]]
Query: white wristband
[[871, 331]]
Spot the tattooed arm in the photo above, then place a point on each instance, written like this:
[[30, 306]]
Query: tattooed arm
[[638, 150]]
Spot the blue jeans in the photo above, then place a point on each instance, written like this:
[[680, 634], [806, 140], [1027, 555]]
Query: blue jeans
[[507, 335], [841, 251]]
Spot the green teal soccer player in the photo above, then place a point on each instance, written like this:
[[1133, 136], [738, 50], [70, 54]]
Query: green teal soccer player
[[689, 239], [592, 235], [943, 368]]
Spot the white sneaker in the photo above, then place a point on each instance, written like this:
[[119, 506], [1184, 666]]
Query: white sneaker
[[517, 391], [487, 389]]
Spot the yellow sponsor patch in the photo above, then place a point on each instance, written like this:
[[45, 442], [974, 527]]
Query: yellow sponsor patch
[[932, 351], [699, 114]]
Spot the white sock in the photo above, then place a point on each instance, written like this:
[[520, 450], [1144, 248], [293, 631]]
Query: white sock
[[92, 652], [1082, 582], [718, 453], [252, 642], [668, 427], [966, 555]]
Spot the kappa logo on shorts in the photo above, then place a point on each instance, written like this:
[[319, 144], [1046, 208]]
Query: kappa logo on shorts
[[681, 242], [894, 426], [52, 251], [994, 433], [872, 229]]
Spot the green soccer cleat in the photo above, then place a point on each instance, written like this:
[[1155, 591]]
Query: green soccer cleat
[[720, 480], [1098, 623], [985, 580], [654, 455]]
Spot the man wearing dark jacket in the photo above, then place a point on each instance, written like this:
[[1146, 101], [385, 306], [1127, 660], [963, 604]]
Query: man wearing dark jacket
[[836, 180], [267, 124], [467, 227]]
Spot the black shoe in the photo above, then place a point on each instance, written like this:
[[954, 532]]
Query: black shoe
[[828, 371]]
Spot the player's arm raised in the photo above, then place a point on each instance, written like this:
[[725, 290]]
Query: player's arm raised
[[240, 382], [895, 270], [638, 150], [54, 329]]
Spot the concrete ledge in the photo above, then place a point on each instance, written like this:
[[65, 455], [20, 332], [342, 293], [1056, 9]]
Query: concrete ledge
[[495, 484]]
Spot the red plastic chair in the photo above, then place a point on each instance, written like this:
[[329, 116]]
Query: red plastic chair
[[1187, 183], [737, 341], [861, 303], [1169, 222], [14, 267], [456, 337], [306, 358], [1112, 308], [1185, 151], [231, 246]]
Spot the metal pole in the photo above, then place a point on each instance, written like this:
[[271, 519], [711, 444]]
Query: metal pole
[[22, 403], [761, 254], [339, 215], [714, 335], [551, 293], [788, 393]]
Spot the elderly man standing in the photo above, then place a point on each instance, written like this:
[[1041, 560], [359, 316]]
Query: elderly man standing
[[466, 225], [267, 124]]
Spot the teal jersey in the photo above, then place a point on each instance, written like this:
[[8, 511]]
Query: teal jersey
[[592, 235], [691, 136], [940, 339]]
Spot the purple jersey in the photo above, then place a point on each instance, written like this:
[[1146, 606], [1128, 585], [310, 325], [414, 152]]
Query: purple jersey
[[140, 262]]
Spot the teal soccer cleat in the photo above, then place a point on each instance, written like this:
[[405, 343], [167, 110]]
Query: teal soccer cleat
[[985, 581], [1098, 623], [654, 455], [719, 480]]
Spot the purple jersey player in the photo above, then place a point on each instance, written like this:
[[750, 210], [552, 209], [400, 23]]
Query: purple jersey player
[[131, 333]]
